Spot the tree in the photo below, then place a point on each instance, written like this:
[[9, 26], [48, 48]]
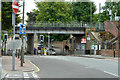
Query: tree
[[7, 16], [82, 11], [53, 11], [31, 17], [113, 6]]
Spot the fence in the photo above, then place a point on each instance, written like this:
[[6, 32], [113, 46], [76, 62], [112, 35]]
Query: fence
[[66, 24]]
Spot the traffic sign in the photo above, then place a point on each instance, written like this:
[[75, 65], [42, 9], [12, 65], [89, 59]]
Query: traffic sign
[[83, 40], [22, 28], [15, 6]]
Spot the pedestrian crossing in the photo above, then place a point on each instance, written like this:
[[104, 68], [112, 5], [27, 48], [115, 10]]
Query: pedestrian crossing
[[21, 76]]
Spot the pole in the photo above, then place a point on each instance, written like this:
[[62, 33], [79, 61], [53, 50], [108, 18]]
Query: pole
[[48, 40], [5, 48], [0, 42], [13, 54], [22, 51], [91, 15]]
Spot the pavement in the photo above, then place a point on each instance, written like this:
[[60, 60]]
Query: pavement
[[27, 71], [98, 57]]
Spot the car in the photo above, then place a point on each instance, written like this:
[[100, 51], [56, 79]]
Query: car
[[39, 48], [16, 36], [51, 52]]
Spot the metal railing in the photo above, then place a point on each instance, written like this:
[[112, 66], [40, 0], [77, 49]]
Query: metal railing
[[66, 24]]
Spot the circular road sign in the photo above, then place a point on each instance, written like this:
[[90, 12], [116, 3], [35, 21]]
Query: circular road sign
[[22, 31], [15, 6]]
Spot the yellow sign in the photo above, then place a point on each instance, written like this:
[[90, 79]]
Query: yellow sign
[[0, 15]]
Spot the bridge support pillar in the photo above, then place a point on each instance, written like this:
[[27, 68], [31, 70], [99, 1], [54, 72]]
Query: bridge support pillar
[[30, 43]]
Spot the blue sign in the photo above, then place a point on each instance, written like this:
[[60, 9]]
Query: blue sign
[[22, 28]]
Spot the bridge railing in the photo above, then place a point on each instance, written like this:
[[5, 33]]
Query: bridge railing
[[66, 24]]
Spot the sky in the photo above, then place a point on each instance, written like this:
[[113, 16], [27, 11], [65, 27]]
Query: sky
[[30, 5]]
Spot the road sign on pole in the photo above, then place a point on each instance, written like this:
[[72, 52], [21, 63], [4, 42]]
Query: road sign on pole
[[15, 6], [22, 28]]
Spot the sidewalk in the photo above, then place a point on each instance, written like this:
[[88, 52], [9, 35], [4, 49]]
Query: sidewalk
[[98, 57], [19, 71]]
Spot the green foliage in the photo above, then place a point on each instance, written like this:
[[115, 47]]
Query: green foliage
[[7, 16], [114, 6], [53, 11], [60, 37], [31, 17], [82, 10]]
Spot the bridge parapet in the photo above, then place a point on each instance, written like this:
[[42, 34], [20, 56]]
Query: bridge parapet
[[66, 24]]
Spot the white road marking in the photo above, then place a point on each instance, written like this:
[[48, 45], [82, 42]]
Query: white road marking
[[7, 75], [35, 75], [111, 73], [89, 67], [26, 75]]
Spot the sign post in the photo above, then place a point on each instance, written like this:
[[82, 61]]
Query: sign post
[[0, 43], [22, 31], [15, 8]]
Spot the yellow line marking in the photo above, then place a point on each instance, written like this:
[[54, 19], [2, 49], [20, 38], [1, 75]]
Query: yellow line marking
[[35, 67]]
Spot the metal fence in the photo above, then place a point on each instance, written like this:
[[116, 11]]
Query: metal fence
[[66, 24]]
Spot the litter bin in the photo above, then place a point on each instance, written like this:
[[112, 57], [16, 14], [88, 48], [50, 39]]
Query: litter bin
[[87, 52]]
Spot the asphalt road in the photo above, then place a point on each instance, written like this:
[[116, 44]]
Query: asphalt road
[[73, 67]]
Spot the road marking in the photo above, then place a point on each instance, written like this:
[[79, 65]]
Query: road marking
[[7, 76], [26, 75], [35, 67], [35, 75], [111, 73], [89, 67]]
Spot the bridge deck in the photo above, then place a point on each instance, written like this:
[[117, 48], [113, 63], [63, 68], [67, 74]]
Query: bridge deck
[[54, 30]]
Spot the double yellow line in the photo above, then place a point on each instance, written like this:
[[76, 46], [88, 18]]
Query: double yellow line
[[35, 67]]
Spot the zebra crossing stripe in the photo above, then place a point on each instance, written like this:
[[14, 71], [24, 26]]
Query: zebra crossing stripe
[[35, 75], [26, 75]]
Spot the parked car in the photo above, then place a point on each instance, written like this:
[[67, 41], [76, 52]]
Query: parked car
[[16, 36], [51, 52]]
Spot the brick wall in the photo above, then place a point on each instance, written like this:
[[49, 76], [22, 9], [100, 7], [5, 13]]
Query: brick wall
[[58, 44], [109, 52], [110, 28]]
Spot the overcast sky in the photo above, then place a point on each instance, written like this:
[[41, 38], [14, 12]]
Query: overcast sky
[[30, 5]]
